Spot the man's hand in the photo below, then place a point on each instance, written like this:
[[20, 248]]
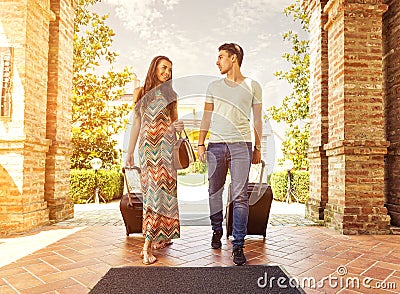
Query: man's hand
[[201, 152], [256, 157]]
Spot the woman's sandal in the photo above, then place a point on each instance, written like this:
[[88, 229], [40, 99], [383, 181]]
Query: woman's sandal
[[162, 244], [147, 260]]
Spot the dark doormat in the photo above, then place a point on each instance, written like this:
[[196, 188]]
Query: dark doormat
[[232, 279]]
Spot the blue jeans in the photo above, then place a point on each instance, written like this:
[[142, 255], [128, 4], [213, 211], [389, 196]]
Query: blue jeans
[[237, 157]]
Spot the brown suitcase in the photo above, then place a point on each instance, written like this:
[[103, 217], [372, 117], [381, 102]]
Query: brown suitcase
[[260, 199], [131, 204]]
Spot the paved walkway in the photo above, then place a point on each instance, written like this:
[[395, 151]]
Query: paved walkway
[[282, 214], [193, 210], [72, 256]]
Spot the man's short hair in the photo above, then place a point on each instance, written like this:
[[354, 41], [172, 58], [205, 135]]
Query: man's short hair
[[233, 48]]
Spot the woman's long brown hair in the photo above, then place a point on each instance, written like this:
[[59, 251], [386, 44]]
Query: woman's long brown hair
[[150, 86]]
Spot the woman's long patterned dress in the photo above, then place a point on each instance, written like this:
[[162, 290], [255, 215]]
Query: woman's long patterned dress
[[158, 177]]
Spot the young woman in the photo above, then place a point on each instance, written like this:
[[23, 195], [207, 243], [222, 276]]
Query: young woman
[[155, 123]]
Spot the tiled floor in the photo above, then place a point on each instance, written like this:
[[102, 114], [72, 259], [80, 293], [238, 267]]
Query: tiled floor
[[72, 258]]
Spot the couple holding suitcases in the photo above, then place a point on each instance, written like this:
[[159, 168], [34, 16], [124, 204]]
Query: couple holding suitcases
[[228, 105]]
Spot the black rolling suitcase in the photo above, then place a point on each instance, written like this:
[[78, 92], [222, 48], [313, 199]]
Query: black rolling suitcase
[[131, 204], [260, 199]]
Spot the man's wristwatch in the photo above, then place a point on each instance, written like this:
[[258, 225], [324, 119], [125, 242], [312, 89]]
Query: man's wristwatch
[[257, 147]]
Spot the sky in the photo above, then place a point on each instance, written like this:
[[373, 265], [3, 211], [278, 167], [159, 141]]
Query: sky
[[190, 32]]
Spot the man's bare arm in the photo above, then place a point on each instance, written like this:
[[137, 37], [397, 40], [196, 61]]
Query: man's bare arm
[[257, 115], [204, 127]]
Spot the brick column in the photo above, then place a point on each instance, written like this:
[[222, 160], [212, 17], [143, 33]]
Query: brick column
[[59, 107], [391, 60], [23, 143], [318, 110], [357, 144]]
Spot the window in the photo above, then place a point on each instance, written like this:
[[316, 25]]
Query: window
[[6, 60]]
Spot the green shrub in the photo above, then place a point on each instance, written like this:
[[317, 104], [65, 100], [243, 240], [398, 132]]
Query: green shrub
[[200, 167], [300, 182], [182, 172], [83, 184], [269, 178], [197, 167], [279, 185]]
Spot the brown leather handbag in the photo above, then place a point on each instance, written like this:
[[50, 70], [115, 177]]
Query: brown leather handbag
[[183, 154]]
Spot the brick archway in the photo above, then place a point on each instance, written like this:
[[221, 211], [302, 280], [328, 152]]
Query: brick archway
[[391, 78], [355, 130], [36, 41], [354, 120]]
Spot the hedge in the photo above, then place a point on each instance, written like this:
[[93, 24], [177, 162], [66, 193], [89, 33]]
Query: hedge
[[110, 183], [83, 184], [300, 182], [197, 167]]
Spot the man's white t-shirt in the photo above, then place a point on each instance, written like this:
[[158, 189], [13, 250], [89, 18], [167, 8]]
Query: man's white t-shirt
[[230, 120]]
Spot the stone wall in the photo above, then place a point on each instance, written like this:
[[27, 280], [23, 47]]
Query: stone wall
[[391, 62], [356, 143], [34, 143], [59, 108], [318, 111]]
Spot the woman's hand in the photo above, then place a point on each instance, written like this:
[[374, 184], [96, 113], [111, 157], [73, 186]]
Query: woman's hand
[[178, 125], [130, 160]]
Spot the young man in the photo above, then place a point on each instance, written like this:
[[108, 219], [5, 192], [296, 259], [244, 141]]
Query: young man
[[227, 109]]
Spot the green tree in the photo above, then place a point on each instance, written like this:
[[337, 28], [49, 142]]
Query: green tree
[[294, 110], [94, 116]]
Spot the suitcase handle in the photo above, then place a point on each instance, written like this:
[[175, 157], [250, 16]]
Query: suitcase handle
[[126, 181], [130, 168], [261, 177]]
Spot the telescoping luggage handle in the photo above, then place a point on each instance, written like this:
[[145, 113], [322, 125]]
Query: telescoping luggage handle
[[126, 181], [261, 178]]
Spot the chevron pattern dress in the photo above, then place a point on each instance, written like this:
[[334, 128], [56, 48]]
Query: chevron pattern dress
[[158, 177]]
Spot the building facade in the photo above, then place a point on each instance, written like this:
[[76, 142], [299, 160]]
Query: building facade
[[354, 109], [36, 53]]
